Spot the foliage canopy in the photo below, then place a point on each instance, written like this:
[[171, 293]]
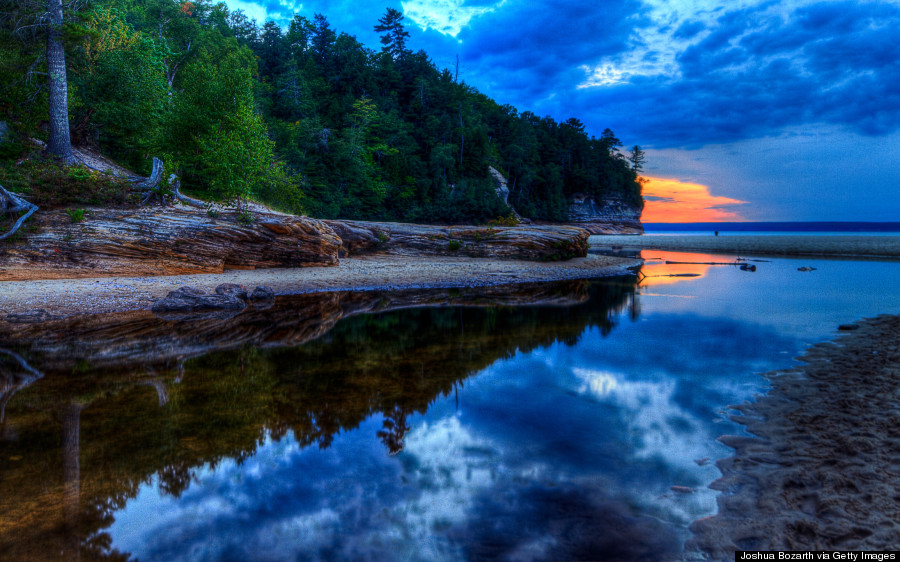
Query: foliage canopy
[[305, 117]]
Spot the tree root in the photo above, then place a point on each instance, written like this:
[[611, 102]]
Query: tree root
[[150, 188], [12, 203]]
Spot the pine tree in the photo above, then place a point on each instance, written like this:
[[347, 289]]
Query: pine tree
[[637, 159], [395, 36]]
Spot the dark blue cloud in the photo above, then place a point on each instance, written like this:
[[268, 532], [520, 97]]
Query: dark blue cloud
[[689, 29], [784, 73], [751, 75]]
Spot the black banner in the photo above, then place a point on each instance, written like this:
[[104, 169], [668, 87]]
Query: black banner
[[851, 555]]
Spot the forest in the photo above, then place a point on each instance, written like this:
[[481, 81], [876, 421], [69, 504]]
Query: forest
[[303, 118]]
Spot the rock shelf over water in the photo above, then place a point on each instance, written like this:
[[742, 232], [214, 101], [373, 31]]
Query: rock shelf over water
[[169, 241], [155, 241], [823, 471]]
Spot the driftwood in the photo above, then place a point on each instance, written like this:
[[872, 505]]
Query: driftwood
[[12, 203], [150, 188]]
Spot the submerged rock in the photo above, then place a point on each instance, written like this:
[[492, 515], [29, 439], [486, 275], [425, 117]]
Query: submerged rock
[[191, 299], [30, 317], [262, 294], [232, 289]]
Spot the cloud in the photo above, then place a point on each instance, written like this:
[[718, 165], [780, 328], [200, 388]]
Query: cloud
[[448, 17], [751, 72], [671, 200]]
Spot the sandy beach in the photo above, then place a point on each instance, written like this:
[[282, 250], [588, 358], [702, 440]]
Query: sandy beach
[[824, 470], [119, 294], [836, 246]]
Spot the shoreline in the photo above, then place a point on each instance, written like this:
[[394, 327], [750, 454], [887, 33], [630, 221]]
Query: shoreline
[[821, 469], [389, 272], [378, 272], [842, 246]]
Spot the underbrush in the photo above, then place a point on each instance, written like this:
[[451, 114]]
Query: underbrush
[[50, 185]]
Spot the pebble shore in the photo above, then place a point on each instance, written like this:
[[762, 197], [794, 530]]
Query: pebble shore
[[822, 469], [119, 294]]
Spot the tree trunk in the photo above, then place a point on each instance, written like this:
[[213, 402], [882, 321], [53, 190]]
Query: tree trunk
[[71, 447], [60, 144]]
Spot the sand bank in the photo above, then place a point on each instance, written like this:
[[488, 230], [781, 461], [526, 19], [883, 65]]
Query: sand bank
[[117, 294], [838, 246], [824, 472]]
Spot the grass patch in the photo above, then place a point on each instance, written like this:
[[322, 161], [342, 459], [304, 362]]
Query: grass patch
[[49, 185]]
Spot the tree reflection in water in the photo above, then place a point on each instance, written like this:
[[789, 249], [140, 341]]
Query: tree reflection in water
[[132, 397]]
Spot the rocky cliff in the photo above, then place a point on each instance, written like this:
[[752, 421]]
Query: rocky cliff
[[610, 216]]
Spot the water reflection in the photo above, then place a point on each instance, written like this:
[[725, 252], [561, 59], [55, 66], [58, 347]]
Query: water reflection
[[129, 399], [581, 427]]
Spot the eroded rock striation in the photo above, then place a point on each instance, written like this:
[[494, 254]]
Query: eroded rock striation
[[524, 242], [610, 216], [163, 241]]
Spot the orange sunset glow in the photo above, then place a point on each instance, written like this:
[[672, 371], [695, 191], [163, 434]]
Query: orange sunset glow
[[669, 200], [687, 266]]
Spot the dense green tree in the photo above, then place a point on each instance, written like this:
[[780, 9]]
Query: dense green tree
[[244, 110], [120, 94]]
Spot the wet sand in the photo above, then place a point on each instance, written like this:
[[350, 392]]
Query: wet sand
[[823, 472], [837, 246], [119, 294]]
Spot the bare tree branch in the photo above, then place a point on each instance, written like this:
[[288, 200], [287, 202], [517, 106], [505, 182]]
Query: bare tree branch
[[12, 203], [12, 386]]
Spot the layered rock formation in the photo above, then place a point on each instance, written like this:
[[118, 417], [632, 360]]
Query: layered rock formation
[[611, 216], [163, 241], [536, 243]]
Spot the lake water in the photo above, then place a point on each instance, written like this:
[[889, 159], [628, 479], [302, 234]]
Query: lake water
[[567, 421]]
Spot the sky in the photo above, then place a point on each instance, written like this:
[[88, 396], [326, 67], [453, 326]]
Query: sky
[[771, 110]]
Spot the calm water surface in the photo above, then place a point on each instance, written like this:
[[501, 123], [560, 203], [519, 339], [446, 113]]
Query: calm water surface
[[550, 422]]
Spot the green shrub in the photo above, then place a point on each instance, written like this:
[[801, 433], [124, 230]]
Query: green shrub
[[508, 220], [77, 215]]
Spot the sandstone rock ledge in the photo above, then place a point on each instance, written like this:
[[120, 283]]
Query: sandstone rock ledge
[[525, 242], [163, 241], [609, 216]]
